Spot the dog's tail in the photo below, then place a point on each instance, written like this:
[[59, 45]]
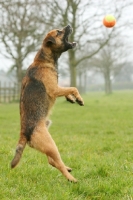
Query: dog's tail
[[18, 153]]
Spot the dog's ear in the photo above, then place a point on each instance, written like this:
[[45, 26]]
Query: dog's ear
[[49, 41]]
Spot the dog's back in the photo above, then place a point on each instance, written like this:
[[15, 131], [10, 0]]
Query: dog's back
[[34, 102]]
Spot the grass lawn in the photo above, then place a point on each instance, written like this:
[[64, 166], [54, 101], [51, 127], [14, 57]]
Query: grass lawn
[[95, 140]]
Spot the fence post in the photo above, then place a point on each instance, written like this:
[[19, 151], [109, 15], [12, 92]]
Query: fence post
[[9, 92], [4, 92]]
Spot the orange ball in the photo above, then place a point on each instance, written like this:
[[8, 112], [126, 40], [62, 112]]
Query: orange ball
[[109, 21]]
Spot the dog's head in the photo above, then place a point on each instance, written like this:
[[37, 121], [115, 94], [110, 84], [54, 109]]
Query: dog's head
[[57, 40]]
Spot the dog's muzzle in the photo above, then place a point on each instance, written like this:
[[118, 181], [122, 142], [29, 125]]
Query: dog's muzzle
[[68, 30]]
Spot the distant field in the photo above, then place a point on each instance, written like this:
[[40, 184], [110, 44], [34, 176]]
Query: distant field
[[95, 140]]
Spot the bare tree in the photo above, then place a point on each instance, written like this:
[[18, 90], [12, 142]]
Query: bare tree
[[79, 15], [108, 63], [21, 29], [88, 31], [113, 56]]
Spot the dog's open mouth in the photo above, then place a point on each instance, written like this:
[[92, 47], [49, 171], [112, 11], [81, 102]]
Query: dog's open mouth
[[68, 31], [73, 44]]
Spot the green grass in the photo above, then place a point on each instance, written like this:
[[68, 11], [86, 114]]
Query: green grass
[[95, 140]]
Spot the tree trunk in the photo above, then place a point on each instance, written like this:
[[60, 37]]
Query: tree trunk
[[108, 88], [19, 78], [72, 67], [73, 76], [108, 85]]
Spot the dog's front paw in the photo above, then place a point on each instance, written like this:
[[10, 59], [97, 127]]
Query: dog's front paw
[[80, 102], [70, 99]]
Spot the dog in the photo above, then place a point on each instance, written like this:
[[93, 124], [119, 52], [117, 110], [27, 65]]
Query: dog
[[39, 91]]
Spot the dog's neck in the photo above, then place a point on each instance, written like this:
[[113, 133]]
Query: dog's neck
[[47, 56]]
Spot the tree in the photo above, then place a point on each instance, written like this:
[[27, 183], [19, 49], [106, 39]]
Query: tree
[[22, 27], [106, 63], [79, 15], [113, 56], [86, 20]]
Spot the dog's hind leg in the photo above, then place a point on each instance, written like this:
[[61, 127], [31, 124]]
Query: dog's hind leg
[[51, 162], [19, 150], [42, 141]]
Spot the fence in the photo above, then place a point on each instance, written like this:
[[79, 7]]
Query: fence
[[9, 92]]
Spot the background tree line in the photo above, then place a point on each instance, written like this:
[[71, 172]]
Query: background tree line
[[24, 23]]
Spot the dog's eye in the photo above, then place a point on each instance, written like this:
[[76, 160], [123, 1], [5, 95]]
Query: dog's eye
[[59, 32]]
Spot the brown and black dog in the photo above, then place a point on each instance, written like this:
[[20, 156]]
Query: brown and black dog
[[38, 94]]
